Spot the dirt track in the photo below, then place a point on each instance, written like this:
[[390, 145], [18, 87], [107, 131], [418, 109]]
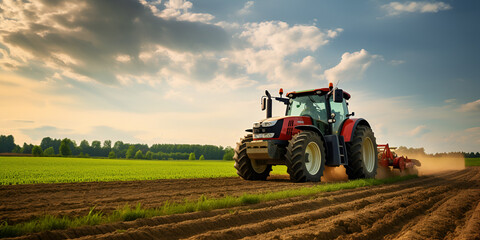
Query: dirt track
[[441, 206]]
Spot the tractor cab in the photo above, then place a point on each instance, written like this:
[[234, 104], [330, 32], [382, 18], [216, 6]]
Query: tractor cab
[[315, 132], [327, 107]]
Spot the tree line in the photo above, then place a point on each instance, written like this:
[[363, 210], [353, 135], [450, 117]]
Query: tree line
[[67, 147], [53, 147]]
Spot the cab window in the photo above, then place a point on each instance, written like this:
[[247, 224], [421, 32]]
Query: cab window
[[312, 105]]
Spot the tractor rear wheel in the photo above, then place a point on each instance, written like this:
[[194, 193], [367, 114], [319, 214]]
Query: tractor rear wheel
[[305, 157], [362, 154], [246, 168]]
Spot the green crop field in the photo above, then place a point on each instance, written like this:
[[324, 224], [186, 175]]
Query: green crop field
[[472, 162], [25, 170]]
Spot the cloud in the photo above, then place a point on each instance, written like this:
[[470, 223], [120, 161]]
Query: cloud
[[24, 121], [351, 66], [179, 10], [285, 39], [45, 131], [467, 140], [396, 62], [246, 8], [418, 131], [470, 107], [280, 52], [98, 40], [396, 8]]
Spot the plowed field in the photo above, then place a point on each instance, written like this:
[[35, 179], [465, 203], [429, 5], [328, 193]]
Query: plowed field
[[444, 205]]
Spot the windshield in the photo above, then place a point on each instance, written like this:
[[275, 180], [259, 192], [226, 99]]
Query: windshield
[[312, 105]]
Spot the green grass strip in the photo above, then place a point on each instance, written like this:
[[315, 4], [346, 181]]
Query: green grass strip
[[470, 162], [128, 213]]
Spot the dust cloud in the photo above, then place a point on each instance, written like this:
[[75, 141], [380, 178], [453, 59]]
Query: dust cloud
[[334, 174], [432, 165]]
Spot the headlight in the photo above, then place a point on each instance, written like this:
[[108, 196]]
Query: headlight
[[263, 135], [269, 124]]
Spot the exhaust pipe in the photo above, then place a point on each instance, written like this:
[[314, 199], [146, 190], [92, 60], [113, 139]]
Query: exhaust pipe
[[269, 104]]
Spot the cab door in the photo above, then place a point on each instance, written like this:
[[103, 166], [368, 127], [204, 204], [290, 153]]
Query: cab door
[[340, 110]]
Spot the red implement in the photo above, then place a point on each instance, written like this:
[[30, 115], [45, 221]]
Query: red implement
[[388, 158]]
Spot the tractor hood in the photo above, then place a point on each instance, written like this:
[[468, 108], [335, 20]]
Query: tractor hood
[[278, 128]]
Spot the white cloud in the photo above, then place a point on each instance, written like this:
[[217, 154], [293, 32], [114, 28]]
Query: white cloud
[[285, 39], [273, 48], [246, 8], [418, 131], [396, 62], [49, 41], [180, 10], [396, 8], [470, 107], [351, 66]]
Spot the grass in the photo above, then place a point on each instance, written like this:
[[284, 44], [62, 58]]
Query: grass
[[27, 170], [470, 162], [202, 204]]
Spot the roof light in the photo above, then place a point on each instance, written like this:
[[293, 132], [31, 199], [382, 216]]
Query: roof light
[[280, 92], [330, 85]]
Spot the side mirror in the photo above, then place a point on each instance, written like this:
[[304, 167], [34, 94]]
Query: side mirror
[[338, 95], [264, 103]]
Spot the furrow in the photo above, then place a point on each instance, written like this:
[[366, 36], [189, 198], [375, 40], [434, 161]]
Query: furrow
[[300, 208], [354, 220]]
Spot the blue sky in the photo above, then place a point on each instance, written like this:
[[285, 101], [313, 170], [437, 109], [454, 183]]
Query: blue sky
[[193, 71]]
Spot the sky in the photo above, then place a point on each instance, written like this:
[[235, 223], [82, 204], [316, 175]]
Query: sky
[[193, 72]]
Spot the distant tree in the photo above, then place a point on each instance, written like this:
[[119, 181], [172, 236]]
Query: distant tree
[[17, 149], [7, 143], [46, 143], [96, 144], [130, 152], [201, 158], [96, 148], [107, 144], [37, 151], [118, 145], [139, 155], [149, 155], [27, 148], [192, 156], [111, 155], [65, 148], [229, 152], [84, 144], [49, 152]]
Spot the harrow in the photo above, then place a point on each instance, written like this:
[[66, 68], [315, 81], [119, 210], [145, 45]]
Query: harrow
[[387, 158]]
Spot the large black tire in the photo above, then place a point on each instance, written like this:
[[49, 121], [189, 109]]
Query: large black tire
[[362, 154], [244, 166], [305, 157]]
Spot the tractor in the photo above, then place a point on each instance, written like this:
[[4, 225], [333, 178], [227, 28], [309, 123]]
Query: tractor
[[316, 131]]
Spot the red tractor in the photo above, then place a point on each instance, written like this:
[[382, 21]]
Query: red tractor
[[315, 132]]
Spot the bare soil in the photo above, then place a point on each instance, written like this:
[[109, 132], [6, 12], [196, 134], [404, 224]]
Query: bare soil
[[440, 206]]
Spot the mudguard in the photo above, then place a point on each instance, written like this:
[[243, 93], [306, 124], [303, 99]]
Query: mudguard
[[349, 126]]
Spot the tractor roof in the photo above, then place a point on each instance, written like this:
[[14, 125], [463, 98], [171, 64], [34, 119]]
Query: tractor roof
[[318, 91]]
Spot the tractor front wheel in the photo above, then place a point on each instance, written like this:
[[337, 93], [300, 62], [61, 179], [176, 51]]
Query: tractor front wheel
[[246, 168], [362, 154], [305, 157]]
